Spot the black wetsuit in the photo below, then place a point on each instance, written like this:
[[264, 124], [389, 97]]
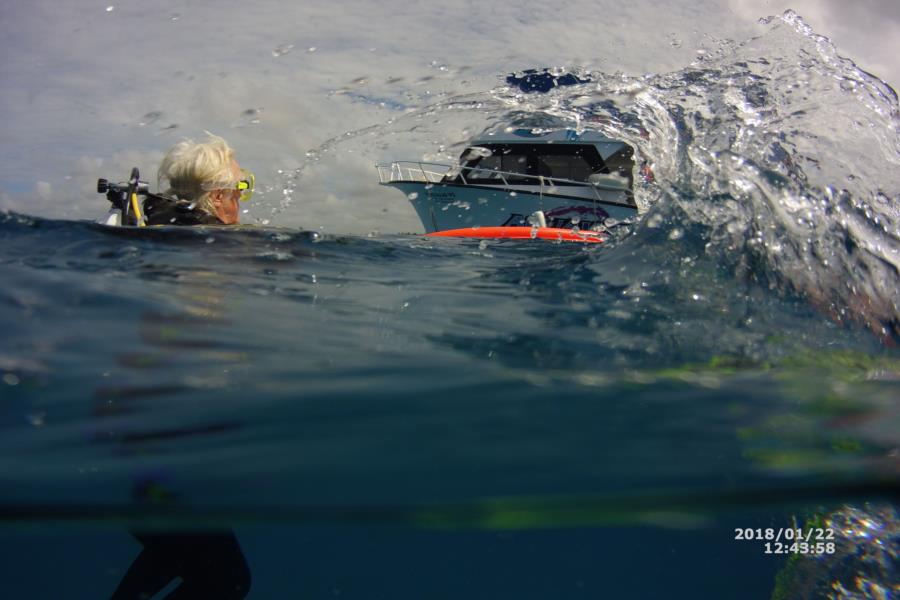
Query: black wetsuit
[[210, 564], [162, 210]]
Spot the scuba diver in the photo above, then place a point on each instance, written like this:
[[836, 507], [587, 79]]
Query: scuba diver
[[205, 184]]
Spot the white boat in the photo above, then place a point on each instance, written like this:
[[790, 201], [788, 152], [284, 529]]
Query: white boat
[[574, 179]]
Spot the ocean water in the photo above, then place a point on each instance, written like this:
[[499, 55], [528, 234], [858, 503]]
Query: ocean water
[[392, 416]]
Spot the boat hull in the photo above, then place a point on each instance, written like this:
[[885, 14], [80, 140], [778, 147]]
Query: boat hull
[[450, 206]]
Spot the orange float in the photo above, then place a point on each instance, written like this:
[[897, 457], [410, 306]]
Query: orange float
[[521, 233]]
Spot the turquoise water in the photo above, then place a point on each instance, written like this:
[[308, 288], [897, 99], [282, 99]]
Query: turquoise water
[[396, 416]]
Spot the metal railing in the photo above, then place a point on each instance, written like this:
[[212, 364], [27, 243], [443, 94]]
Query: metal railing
[[423, 172]]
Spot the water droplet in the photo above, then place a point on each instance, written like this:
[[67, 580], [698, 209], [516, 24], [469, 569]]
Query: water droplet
[[412, 195], [513, 194], [282, 50], [150, 118], [405, 305], [110, 8], [11, 379], [210, 240], [274, 257], [252, 114]]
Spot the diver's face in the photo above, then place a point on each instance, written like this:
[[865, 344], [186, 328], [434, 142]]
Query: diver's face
[[226, 201]]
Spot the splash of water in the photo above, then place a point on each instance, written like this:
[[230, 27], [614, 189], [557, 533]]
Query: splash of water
[[776, 154], [785, 154]]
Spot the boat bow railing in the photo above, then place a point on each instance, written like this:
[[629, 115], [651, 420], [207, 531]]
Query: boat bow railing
[[404, 170], [423, 172]]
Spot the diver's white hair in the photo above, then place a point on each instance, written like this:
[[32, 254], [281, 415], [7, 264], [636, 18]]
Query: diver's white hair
[[193, 169]]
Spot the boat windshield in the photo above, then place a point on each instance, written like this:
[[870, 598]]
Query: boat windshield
[[573, 162]]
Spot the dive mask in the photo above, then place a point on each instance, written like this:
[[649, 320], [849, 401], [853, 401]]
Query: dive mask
[[246, 184]]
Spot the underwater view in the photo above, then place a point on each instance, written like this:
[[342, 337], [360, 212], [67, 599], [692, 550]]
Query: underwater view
[[322, 402]]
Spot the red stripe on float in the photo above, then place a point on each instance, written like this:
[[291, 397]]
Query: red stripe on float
[[521, 233]]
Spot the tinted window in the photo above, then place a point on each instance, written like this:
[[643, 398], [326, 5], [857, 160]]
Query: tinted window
[[565, 166], [561, 161], [622, 162], [516, 160], [509, 158], [483, 168]]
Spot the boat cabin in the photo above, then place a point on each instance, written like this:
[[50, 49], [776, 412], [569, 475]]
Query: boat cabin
[[565, 162]]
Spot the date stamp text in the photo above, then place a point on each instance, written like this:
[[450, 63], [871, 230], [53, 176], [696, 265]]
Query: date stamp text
[[789, 540]]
